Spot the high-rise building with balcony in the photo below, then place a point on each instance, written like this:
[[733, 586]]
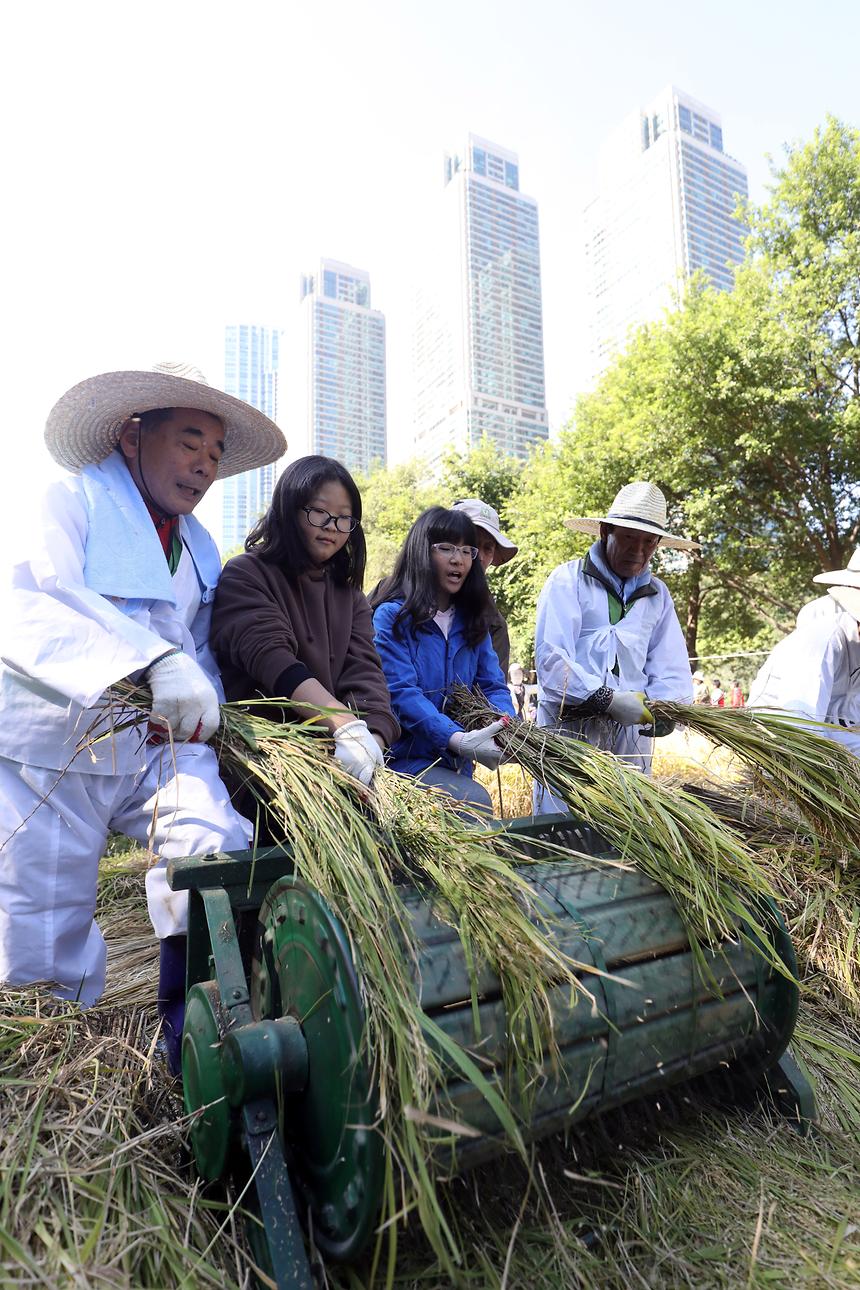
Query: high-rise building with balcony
[[344, 339], [665, 208], [250, 373], [478, 352]]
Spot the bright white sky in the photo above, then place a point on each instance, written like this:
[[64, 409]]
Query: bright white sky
[[170, 167]]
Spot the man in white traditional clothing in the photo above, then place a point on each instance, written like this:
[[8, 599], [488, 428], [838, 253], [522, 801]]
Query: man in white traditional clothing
[[815, 671], [608, 638], [114, 580]]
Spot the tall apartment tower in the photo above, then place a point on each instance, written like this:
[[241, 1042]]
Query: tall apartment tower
[[344, 366], [478, 353], [665, 208], [250, 373]]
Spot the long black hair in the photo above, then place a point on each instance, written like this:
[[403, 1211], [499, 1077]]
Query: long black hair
[[277, 537], [414, 581]]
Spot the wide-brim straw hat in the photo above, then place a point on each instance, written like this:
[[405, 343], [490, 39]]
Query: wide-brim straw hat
[[83, 427], [849, 577], [637, 506], [484, 517]]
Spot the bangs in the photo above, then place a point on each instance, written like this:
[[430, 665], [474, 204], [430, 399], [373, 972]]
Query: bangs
[[453, 526]]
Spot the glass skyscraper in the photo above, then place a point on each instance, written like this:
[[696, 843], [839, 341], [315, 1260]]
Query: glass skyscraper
[[478, 355], [665, 208], [345, 366], [250, 373]]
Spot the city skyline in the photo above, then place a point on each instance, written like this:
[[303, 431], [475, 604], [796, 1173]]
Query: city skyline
[[136, 233], [664, 209], [478, 364], [251, 358], [341, 398]]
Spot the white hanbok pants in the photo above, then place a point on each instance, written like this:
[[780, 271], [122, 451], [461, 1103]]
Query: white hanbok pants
[[53, 832]]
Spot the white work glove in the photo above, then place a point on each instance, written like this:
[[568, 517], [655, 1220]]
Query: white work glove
[[478, 745], [183, 698], [358, 751], [627, 707]]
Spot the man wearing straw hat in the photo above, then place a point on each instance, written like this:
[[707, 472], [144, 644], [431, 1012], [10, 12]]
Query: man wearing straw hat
[[115, 580], [815, 671], [608, 637], [493, 549]]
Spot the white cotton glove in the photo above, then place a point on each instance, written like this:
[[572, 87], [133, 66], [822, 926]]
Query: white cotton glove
[[627, 707], [183, 698], [357, 751], [478, 745]]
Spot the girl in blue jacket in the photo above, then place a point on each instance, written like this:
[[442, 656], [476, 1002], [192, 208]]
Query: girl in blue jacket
[[431, 621]]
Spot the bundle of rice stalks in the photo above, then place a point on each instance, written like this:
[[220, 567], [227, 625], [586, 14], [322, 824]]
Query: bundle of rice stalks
[[814, 777], [716, 883], [356, 848]]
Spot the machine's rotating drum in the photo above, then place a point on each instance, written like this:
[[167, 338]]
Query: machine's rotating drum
[[303, 968]]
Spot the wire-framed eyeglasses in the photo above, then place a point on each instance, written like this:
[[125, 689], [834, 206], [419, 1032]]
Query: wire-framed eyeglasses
[[448, 550], [321, 519]]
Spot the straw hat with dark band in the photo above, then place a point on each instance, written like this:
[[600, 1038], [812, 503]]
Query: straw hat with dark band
[[84, 425], [637, 506]]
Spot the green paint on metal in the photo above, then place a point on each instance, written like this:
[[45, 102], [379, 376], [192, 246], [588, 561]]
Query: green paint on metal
[[212, 1130], [303, 969]]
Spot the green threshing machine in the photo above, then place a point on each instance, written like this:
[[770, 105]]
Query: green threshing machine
[[273, 1061]]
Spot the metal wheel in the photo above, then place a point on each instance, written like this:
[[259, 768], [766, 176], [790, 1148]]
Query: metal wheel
[[303, 968]]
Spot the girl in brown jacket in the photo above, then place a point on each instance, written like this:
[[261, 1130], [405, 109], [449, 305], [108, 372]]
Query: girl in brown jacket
[[290, 618]]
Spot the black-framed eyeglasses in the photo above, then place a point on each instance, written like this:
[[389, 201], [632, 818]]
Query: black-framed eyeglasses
[[448, 549], [321, 519]]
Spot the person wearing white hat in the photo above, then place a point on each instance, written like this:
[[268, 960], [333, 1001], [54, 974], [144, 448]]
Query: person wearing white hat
[[608, 638], [815, 670], [493, 549], [114, 579]]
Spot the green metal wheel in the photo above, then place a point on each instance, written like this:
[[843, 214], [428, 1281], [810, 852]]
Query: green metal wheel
[[303, 968], [203, 1085]]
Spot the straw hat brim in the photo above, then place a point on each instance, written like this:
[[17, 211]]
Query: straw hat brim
[[839, 578], [591, 524], [83, 427]]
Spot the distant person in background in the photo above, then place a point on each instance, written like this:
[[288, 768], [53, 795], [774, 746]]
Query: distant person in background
[[736, 695], [815, 671], [608, 638], [493, 549], [517, 687], [718, 696], [701, 692]]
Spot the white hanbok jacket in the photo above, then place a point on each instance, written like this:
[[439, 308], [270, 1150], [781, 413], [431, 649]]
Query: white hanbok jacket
[[93, 601], [578, 650], [815, 671]]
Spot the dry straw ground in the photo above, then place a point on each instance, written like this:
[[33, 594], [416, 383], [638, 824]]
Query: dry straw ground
[[96, 1188]]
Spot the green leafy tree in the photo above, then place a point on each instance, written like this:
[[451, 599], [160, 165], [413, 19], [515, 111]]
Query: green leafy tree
[[391, 499], [744, 407]]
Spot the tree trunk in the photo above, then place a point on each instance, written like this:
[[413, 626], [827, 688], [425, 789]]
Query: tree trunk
[[694, 605]]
